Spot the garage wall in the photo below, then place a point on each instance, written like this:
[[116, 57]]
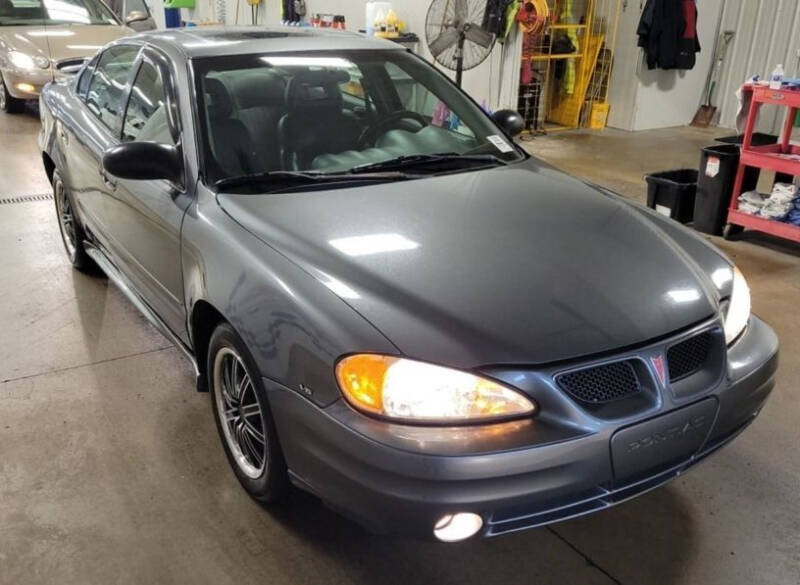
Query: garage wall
[[642, 99], [494, 82], [767, 33]]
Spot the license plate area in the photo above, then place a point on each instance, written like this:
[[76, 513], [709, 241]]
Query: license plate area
[[661, 442]]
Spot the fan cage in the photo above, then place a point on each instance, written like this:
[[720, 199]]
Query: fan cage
[[440, 14]]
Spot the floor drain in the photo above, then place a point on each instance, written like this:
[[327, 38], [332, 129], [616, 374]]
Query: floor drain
[[26, 198]]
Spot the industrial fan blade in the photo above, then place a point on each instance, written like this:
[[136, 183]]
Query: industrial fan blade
[[444, 41], [478, 35], [461, 12]]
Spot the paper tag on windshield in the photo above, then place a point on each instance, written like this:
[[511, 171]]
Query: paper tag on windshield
[[499, 143]]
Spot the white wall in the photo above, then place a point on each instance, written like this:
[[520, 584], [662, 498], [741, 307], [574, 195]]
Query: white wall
[[642, 99], [490, 82]]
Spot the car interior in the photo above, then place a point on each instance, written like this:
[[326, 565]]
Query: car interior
[[318, 119]]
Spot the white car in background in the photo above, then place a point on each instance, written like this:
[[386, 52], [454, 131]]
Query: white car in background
[[41, 40]]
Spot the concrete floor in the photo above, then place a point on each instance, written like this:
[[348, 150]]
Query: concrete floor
[[111, 470]]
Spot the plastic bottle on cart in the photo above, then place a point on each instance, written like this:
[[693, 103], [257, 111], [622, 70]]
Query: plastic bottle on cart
[[776, 79]]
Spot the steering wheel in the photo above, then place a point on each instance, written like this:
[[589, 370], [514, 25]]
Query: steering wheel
[[371, 132]]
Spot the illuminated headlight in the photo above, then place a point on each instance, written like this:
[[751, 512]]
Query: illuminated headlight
[[404, 389], [23, 61], [737, 313]]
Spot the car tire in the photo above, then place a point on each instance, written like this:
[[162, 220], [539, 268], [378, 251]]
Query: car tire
[[72, 234], [9, 103], [243, 417]]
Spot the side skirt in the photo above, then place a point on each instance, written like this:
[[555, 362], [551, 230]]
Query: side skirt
[[127, 289]]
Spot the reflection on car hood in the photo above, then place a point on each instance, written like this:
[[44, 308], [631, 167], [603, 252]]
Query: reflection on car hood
[[61, 42], [519, 264]]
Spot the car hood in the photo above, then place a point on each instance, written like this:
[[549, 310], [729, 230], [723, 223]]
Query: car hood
[[519, 264], [61, 42]]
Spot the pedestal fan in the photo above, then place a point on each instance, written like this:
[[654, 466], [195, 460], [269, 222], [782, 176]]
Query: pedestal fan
[[456, 36]]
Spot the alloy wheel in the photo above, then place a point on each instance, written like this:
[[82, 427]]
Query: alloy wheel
[[2, 94], [66, 219], [240, 413]]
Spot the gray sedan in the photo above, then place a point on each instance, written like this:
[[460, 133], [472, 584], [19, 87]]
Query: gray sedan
[[392, 305]]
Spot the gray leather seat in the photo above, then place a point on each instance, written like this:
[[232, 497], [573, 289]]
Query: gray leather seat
[[315, 122], [259, 98], [230, 142]]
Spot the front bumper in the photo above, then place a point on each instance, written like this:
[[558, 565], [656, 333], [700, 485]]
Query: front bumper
[[401, 479], [17, 82]]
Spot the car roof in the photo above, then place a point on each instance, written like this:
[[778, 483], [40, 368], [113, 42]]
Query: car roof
[[240, 40]]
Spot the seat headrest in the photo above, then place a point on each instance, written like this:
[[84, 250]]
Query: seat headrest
[[258, 88], [218, 99], [315, 92]]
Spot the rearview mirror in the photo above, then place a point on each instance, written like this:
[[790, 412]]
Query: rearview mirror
[[144, 161], [135, 16], [510, 121]]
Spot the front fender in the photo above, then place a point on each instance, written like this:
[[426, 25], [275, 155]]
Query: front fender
[[295, 328]]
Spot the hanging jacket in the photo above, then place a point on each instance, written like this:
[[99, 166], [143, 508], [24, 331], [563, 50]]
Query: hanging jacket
[[668, 34]]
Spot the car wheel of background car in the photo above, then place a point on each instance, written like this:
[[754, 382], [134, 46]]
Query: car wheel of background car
[[71, 231], [8, 103], [244, 420]]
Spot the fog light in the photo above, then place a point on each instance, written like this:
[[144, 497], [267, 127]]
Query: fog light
[[455, 527], [27, 87]]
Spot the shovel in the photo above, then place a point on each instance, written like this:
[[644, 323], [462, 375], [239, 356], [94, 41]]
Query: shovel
[[705, 113]]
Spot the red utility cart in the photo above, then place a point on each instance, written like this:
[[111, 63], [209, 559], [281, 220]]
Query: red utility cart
[[781, 157]]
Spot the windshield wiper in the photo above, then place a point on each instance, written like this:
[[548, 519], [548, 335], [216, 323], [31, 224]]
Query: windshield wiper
[[423, 160], [275, 180]]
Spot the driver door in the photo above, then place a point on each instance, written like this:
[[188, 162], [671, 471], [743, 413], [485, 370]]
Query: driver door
[[147, 215]]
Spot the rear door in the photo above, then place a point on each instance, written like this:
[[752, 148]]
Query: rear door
[[146, 216], [96, 128]]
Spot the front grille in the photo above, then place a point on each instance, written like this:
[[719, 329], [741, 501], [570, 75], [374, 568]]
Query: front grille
[[689, 356], [601, 384]]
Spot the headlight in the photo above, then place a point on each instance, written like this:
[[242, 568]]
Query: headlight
[[23, 61], [416, 391], [738, 312]]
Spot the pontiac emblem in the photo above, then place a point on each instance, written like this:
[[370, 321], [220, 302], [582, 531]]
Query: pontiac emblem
[[658, 366]]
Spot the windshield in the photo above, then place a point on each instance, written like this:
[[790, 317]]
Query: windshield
[[335, 111], [44, 12]]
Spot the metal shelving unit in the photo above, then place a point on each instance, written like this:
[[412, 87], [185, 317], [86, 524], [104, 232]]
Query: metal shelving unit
[[782, 157], [558, 90]]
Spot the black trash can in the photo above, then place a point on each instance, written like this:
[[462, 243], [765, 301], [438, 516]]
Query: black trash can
[[718, 164], [672, 193], [758, 139]]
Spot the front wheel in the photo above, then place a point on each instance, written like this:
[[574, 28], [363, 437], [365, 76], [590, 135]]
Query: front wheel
[[243, 417], [9, 103], [71, 231]]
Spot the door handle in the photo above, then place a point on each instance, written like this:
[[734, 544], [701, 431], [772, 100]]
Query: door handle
[[63, 135], [107, 181]]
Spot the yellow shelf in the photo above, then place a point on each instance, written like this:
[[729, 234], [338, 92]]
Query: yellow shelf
[[568, 26], [548, 56]]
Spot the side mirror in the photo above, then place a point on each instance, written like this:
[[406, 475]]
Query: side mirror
[[510, 121], [144, 161], [135, 16]]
